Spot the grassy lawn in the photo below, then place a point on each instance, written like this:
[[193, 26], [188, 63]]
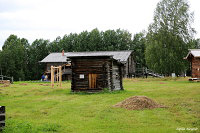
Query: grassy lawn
[[37, 108]]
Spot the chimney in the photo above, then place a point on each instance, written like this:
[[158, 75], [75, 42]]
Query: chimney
[[63, 52]]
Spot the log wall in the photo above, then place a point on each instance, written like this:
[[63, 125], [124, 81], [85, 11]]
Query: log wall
[[195, 67], [82, 67], [116, 76], [129, 68]]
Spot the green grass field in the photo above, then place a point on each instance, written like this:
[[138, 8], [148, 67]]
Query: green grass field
[[34, 108]]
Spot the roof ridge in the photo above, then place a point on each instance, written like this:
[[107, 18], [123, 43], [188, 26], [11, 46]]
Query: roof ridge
[[55, 52], [100, 51], [119, 55], [195, 49], [93, 51]]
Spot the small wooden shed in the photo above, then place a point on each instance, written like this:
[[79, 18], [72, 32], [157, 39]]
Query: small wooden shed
[[96, 73], [194, 57]]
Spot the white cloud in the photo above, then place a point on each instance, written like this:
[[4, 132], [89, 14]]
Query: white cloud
[[33, 19]]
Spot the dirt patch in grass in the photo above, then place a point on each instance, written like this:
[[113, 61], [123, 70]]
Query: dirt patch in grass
[[23, 84], [162, 83], [5, 85], [138, 103], [45, 84]]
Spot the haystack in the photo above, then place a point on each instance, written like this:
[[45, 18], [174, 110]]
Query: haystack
[[138, 103], [5, 83]]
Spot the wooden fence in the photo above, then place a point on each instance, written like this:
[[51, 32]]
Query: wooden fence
[[145, 72]]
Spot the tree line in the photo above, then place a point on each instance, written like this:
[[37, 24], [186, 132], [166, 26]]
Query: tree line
[[161, 48], [20, 59]]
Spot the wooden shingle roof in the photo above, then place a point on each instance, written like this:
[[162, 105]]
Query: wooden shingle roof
[[121, 56], [193, 52]]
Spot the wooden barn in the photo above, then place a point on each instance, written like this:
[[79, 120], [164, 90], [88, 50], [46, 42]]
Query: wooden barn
[[194, 57], [93, 72], [57, 59]]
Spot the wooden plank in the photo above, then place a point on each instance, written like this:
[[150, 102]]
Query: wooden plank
[[92, 81], [60, 76], [52, 77]]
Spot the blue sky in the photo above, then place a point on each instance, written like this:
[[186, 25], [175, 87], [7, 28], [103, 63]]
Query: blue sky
[[48, 19]]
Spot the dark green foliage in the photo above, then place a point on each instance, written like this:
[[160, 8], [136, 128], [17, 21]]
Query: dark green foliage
[[138, 46], [14, 58], [169, 37], [37, 51], [195, 43], [54, 46]]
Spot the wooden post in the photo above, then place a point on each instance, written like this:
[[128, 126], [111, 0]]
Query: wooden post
[[12, 80], [52, 76], [2, 117], [57, 77], [57, 72], [60, 76]]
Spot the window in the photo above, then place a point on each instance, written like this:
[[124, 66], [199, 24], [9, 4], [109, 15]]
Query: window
[[81, 76]]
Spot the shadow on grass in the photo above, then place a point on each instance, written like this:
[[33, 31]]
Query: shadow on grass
[[97, 93]]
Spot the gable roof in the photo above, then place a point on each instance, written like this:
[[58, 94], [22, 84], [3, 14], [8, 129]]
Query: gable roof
[[193, 52], [54, 57], [121, 56]]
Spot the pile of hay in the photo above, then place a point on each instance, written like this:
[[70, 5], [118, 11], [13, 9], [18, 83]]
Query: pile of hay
[[138, 103], [5, 83]]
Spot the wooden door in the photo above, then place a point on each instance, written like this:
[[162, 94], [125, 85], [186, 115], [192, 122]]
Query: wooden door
[[92, 81]]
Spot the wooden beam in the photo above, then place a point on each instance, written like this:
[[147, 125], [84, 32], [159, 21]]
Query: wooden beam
[[60, 76], [57, 72], [55, 67], [52, 76]]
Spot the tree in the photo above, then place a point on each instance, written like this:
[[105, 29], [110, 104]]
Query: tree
[[37, 51], [83, 41], [195, 43], [116, 40], [55, 46], [169, 36], [95, 41], [14, 57], [138, 46]]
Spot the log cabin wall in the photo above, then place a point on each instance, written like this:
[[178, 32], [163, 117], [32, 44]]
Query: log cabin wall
[[91, 73], [117, 76], [129, 68], [195, 67]]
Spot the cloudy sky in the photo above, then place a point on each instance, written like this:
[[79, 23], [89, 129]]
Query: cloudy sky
[[47, 19]]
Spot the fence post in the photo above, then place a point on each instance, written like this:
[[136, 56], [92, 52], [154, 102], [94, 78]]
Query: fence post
[[143, 72], [11, 79]]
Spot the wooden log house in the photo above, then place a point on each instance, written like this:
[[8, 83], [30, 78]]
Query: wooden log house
[[96, 73], [194, 57], [57, 59]]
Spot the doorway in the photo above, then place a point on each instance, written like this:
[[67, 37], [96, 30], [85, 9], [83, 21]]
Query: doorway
[[92, 81]]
